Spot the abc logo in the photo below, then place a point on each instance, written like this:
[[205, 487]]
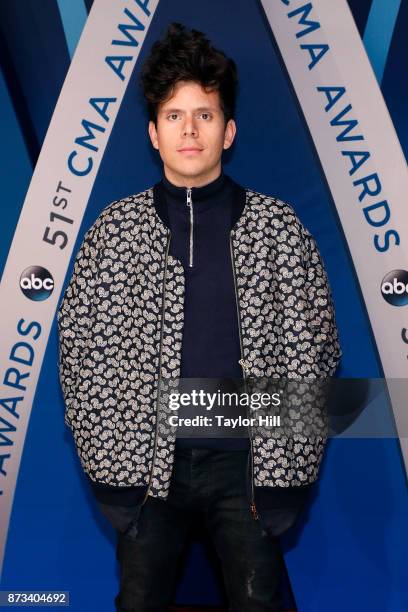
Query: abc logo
[[36, 283], [394, 287]]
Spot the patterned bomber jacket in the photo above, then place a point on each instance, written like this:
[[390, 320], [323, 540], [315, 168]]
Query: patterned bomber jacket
[[120, 326]]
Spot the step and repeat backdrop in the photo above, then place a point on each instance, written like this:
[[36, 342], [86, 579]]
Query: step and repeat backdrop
[[322, 124]]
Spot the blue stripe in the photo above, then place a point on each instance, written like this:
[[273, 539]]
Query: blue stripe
[[378, 33], [15, 171], [73, 16]]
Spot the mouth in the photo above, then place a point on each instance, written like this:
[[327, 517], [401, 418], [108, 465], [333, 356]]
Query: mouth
[[191, 150]]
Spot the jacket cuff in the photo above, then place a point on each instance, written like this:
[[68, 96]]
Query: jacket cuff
[[272, 498], [117, 496]]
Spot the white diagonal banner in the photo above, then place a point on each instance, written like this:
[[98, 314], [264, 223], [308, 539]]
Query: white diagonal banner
[[362, 160], [52, 213]]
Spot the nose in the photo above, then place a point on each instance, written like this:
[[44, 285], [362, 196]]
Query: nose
[[189, 127]]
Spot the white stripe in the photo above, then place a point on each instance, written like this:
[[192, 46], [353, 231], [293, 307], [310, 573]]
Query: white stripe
[[346, 64], [89, 76]]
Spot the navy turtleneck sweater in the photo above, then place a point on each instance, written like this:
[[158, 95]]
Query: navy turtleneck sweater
[[200, 221]]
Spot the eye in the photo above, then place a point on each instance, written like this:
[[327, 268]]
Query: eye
[[208, 115], [172, 115]]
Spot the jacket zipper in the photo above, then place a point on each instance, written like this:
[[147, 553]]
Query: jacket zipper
[[160, 364], [190, 205], [245, 368]]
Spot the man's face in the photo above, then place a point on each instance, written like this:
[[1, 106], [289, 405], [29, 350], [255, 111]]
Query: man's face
[[191, 135]]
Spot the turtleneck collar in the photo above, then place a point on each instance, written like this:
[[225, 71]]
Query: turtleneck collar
[[197, 193], [161, 203]]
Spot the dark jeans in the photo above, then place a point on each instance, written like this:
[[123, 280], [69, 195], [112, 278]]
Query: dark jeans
[[212, 482]]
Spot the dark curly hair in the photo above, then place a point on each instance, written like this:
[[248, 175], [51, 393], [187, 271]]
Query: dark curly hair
[[187, 55]]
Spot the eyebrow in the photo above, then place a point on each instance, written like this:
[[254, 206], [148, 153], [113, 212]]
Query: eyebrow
[[179, 110]]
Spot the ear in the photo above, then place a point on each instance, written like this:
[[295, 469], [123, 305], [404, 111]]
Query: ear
[[153, 135], [230, 131]]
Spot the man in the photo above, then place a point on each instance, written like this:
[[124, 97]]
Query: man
[[196, 277]]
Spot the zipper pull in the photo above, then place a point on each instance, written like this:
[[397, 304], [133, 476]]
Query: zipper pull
[[254, 512], [190, 205], [244, 364]]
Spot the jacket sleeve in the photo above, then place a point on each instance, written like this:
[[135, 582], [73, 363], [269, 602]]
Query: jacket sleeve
[[74, 316], [321, 313]]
